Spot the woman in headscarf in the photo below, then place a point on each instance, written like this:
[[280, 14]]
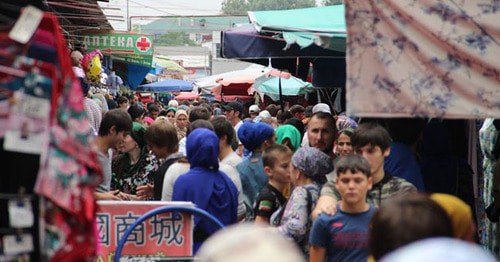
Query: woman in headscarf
[[255, 137], [171, 114], [289, 136], [181, 123], [135, 166], [343, 145], [309, 167], [206, 186]]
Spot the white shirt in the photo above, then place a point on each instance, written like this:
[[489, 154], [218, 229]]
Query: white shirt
[[232, 159]]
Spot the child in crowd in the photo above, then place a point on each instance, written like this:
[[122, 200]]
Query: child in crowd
[[276, 160], [344, 236]]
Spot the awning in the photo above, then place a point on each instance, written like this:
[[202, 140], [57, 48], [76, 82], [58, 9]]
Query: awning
[[246, 43], [291, 38], [324, 26]]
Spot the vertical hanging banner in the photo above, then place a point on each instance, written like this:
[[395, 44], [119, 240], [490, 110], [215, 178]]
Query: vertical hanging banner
[[131, 48], [163, 235], [435, 58]]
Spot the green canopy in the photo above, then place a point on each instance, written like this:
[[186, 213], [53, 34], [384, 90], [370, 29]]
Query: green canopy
[[324, 26]]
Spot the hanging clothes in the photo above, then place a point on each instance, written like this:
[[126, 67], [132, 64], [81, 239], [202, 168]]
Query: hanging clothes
[[66, 170], [488, 135]]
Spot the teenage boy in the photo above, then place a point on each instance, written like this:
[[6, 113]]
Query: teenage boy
[[276, 160], [161, 138], [371, 141], [344, 236], [234, 113], [115, 125]]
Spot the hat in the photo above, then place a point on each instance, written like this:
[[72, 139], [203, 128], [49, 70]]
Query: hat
[[172, 109], [217, 111], [181, 112], [183, 107], [173, 103], [149, 120], [312, 162], [264, 114], [254, 109], [344, 122], [459, 212], [252, 135], [137, 134], [321, 107], [234, 106]]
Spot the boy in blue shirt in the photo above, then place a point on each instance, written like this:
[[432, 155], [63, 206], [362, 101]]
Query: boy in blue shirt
[[344, 235]]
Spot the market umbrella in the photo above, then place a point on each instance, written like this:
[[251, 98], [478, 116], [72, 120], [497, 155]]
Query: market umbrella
[[187, 96], [270, 85], [164, 63], [169, 85]]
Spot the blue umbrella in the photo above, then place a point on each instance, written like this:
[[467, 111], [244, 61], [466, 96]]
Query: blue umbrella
[[169, 85]]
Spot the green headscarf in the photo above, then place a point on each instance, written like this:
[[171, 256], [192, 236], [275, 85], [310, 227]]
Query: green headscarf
[[137, 134], [290, 132]]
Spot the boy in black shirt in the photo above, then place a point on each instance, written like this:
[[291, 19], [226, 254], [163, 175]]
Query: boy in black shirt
[[276, 160]]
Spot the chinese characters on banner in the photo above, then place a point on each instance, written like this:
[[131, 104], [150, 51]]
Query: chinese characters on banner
[[164, 235]]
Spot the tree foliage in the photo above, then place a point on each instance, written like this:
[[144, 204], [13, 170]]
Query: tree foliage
[[234, 7], [174, 39], [332, 2], [242, 6]]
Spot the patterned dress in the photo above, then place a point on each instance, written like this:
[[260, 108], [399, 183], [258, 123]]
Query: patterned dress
[[126, 177], [296, 223]]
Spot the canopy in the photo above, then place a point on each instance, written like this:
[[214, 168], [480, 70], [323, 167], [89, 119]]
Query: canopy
[[187, 96], [294, 45], [169, 85], [246, 43], [327, 29], [165, 63], [290, 87], [245, 76]]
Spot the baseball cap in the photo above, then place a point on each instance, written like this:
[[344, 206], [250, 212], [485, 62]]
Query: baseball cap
[[321, 107], [234, 106], [254, 109]]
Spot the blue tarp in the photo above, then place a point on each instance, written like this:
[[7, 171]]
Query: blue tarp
[[135, 74]]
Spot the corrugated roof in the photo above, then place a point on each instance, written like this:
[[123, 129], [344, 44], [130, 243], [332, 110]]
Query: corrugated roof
[[77, 16]]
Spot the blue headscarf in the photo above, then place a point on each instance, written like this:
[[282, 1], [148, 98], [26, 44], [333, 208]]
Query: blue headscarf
[[204, 185], [252, 135]]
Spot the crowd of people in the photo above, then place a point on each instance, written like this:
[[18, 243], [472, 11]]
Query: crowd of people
[[318, 178]]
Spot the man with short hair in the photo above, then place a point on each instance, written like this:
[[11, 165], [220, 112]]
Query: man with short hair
[[114, 82], [321, 132], [161, 138], [234, 112], [225, 132], [115, 125], [197, 112], [297, 111], [324, 109]]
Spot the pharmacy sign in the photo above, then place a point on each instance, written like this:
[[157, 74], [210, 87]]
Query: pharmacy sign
[[120, 44]]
